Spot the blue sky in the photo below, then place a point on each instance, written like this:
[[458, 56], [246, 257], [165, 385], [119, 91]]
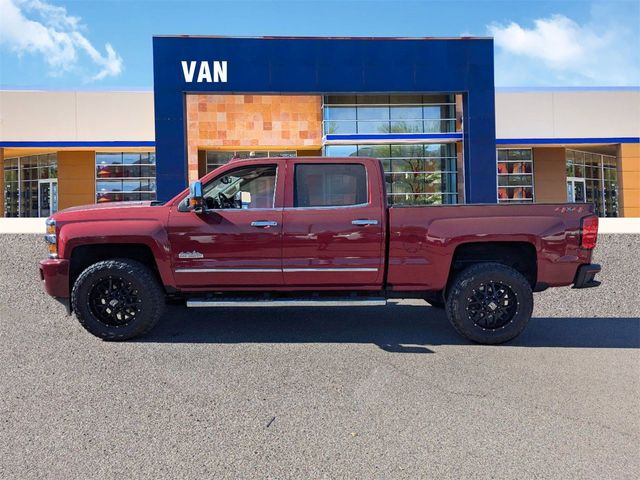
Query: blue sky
[[106, 44]]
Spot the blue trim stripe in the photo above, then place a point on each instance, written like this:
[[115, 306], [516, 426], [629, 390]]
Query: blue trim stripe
[[396, 136], [76, 144], [552, 141]]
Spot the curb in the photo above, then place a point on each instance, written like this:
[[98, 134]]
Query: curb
[[22, 225]]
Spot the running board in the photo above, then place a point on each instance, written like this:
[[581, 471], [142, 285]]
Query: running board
[[300, 302]]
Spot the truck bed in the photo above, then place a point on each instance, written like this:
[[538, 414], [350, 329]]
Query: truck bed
[[423, 239]]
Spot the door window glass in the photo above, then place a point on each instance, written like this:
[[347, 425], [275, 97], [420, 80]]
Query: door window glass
[[227, 190], [579, 191], [45, 195], [330, 185], [598, 177]]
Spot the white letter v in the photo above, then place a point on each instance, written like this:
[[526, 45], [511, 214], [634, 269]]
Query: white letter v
[[188, 72]]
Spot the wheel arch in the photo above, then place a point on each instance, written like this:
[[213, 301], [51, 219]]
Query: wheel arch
[[83, 256], [519, 255]]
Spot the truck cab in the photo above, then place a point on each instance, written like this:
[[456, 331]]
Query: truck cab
[[325, 229]]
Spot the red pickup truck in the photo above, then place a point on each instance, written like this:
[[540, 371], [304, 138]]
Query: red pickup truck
[[279, 232]]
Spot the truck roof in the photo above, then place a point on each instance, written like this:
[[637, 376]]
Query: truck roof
[[304, 159]]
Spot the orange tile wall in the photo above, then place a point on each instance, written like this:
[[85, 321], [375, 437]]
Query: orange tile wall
[[76, 178], [262, 122]]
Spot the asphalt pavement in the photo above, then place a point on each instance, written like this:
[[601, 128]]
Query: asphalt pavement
[[322, 393]]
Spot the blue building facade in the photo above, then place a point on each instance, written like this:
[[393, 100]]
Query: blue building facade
[[391, 87]]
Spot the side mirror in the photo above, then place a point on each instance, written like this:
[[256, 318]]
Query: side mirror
[[196, 199]]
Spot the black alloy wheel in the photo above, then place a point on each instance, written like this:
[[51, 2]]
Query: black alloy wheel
[[489, 303], [118, 299], [114, 301], [492, 305]]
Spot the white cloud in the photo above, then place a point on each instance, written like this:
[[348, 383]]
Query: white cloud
[[37, 27], [559, 51], [557, 40]]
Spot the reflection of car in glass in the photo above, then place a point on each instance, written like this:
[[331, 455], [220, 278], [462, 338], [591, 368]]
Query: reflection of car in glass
[[312, 232]]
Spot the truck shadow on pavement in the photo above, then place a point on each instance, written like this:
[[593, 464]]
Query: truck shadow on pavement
[[396, 329]]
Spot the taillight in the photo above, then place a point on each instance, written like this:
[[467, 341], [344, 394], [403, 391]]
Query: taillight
[[589, 232]]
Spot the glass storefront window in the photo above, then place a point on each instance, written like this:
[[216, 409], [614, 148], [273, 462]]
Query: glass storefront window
[[125, 176], [598, 173], [341, 151], [23, 178], [340, 119], [415, 174], [375, 114], [515, 175], [406, 113]]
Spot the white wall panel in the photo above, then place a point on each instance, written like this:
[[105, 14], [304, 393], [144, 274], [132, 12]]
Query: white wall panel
[[521, 115], [568, 114], [128, 116], [596, 114], [76, 116], [124, 116], [37, 116]]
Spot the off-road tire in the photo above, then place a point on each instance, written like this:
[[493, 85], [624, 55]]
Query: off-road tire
[[149, 291], [468, 281]]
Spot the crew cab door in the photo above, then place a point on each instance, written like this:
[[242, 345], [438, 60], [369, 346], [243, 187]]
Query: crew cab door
[[334, 224], [230, 244]]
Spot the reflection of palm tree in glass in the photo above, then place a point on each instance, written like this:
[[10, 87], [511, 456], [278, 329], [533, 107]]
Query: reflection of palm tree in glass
[[430, 125], [375, 151], [401, 127], [407, 169], [331, 128], [416, 180], [416, 184]]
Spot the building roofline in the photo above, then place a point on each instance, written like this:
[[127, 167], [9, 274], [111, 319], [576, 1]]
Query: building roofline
[[36, 89], [630, 88], [276, 37]]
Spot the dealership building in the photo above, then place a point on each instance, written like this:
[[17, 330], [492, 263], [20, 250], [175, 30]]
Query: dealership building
[[426, 107]]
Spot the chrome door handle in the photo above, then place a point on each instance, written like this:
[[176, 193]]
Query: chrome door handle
[[364, 222], [264, 223]]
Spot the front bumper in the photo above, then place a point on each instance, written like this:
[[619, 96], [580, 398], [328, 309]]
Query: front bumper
[[55, 275], [585, 276]]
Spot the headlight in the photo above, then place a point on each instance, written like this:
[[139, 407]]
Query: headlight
[[51, 238]]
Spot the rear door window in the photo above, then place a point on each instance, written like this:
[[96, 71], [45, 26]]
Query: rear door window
[[330, 185]]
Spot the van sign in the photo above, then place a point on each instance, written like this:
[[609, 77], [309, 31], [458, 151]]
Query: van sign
[[208, 72]]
